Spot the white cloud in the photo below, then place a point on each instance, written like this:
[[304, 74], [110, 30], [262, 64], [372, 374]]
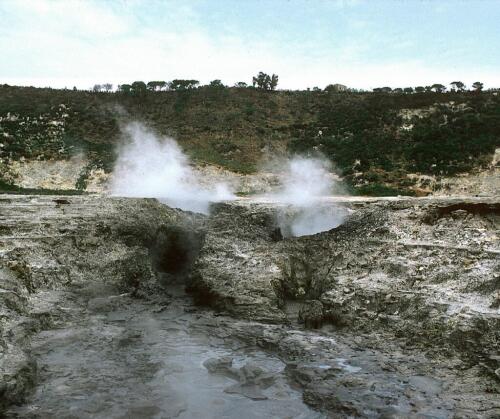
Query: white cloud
[[83, 18], [66, 43]]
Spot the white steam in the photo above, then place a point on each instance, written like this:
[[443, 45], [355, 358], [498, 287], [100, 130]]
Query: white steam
[[305, 180], [151, 166], [305, 184], [155, 167]]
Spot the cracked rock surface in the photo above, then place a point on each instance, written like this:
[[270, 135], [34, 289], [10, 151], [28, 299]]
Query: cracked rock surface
[[416, 281], [395, 313]]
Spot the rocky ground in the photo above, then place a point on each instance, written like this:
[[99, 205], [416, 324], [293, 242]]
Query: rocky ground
[[395, 313], [416, 281], [50, 243]]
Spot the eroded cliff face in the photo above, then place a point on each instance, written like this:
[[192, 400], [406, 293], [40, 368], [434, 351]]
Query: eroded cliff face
[[395, 313], [80, 174]]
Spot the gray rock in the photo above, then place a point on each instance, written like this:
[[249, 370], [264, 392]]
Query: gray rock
[[405, 293]]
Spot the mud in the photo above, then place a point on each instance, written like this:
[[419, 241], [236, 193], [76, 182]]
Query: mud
[[395, 313]]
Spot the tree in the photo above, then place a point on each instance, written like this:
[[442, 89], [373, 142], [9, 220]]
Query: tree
[[397, 90], [420, 89], [265, 81], [241, 85], [273, 82], [408, 90], [156, 85], [181, 84], [438, 88], [97, 88], [336, 88], [139, 87], [216, 84], [458, 85], [259, 81], [478, 86], [108, 87], [125, 88], [382, 90]]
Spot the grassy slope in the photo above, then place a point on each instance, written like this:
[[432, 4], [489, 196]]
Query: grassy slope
[[361, 133]]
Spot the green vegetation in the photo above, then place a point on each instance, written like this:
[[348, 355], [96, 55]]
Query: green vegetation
[[13, 189], [377, 189], [265, 81], [373, 138], [362, 133]]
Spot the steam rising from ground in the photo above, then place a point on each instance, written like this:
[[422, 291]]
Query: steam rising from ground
[[155, 167], [305, 181], [152, 166]]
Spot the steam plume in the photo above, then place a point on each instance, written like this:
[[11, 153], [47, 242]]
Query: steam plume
[[155, 167], [306, 182]]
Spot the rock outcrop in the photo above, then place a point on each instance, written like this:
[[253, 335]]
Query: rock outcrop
[[395, 313], [420, 275], [49, 243], [426, 269]]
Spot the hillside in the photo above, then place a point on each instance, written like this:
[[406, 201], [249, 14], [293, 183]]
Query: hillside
[[381, 143]]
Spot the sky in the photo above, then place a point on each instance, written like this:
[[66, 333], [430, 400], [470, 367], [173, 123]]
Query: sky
[[362, 44]]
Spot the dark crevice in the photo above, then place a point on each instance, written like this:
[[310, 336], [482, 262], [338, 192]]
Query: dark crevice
[[175, 250]]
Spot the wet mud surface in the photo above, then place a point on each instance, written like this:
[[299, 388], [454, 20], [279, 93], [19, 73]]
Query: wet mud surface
[[119, 357]]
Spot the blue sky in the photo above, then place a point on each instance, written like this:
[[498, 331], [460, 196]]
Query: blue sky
[[363, 44]]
